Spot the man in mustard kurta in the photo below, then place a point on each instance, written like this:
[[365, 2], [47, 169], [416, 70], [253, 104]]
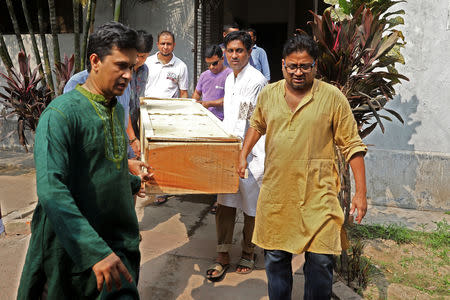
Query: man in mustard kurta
[[85, 235], [298, 210]]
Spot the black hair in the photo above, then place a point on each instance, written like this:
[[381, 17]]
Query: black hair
[[242, 36], [144, 42], [251, 30], [107, 36], [301, 42], [227, 27], [213, 50], [166, 32]]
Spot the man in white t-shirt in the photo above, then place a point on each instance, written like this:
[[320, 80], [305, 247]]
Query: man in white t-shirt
[[168, 75]]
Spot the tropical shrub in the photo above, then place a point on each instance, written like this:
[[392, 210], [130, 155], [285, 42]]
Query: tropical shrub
[[24, 96]]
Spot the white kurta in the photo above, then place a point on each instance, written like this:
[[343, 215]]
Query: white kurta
[[239, 102]]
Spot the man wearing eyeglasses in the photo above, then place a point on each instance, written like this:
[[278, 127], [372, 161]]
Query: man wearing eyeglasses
[[211, 84], [303, 119]]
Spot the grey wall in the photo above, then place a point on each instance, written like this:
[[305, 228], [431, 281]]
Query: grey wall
[[409, 165]]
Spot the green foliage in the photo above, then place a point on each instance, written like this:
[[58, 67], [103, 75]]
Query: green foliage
[[438, 239], [397, 233], [23, 97], [353, 267], [427, 252], [359, 53]]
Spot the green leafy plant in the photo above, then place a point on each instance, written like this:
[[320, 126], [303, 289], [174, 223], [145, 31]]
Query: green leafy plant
[[356, 57], [24, 97]]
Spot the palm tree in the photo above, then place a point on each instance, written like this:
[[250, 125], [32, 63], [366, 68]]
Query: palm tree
[[48, 70], [12, 14], [76, 36], [90, 13], [117, 8], [33, 39], [54, 28]]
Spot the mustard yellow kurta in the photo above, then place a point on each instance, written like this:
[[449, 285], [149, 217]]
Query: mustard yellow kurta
[[298, 209]]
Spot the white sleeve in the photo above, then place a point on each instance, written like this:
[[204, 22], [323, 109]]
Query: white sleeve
[[183, 83]]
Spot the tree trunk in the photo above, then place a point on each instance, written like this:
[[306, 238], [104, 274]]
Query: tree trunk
[[33, 40], [345, 201], [86, 27], [76, 36], [12, 14], [54, 27], [48, 70], [346, 186], [6, 59], [91, 26], [117, 8]]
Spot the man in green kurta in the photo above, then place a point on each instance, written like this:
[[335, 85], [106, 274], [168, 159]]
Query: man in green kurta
[[85, 236], [298, 211]]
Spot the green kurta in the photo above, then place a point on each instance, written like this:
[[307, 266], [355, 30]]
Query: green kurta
[[85, 209]]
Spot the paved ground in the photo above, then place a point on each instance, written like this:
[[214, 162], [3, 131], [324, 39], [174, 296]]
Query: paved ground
[[177, 247]]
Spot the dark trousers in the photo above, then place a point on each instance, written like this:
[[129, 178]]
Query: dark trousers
[[318, 271], [225, 220]]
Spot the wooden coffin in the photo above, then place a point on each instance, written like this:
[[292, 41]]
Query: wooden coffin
[[187, 147]]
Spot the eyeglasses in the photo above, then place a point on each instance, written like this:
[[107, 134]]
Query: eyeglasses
[[213, 63], [305, 68]]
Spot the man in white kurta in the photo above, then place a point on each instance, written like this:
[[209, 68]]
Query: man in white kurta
[[242, 87]]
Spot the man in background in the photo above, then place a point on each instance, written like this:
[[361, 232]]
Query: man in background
[[259, 56], [227, 28], [168, 75], [137, 86], [211, 86]]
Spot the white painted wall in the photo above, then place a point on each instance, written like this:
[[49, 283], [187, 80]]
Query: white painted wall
[[424, 101], [409, 165]]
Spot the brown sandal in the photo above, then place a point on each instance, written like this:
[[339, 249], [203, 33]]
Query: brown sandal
[[222, 269]]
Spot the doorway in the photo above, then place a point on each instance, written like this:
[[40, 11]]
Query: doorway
[[274, 22]]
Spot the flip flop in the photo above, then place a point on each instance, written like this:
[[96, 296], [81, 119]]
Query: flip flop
[[246, 263], [222, 269]]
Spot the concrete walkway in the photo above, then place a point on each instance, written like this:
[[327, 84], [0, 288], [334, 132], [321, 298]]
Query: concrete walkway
[[178, 243]]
